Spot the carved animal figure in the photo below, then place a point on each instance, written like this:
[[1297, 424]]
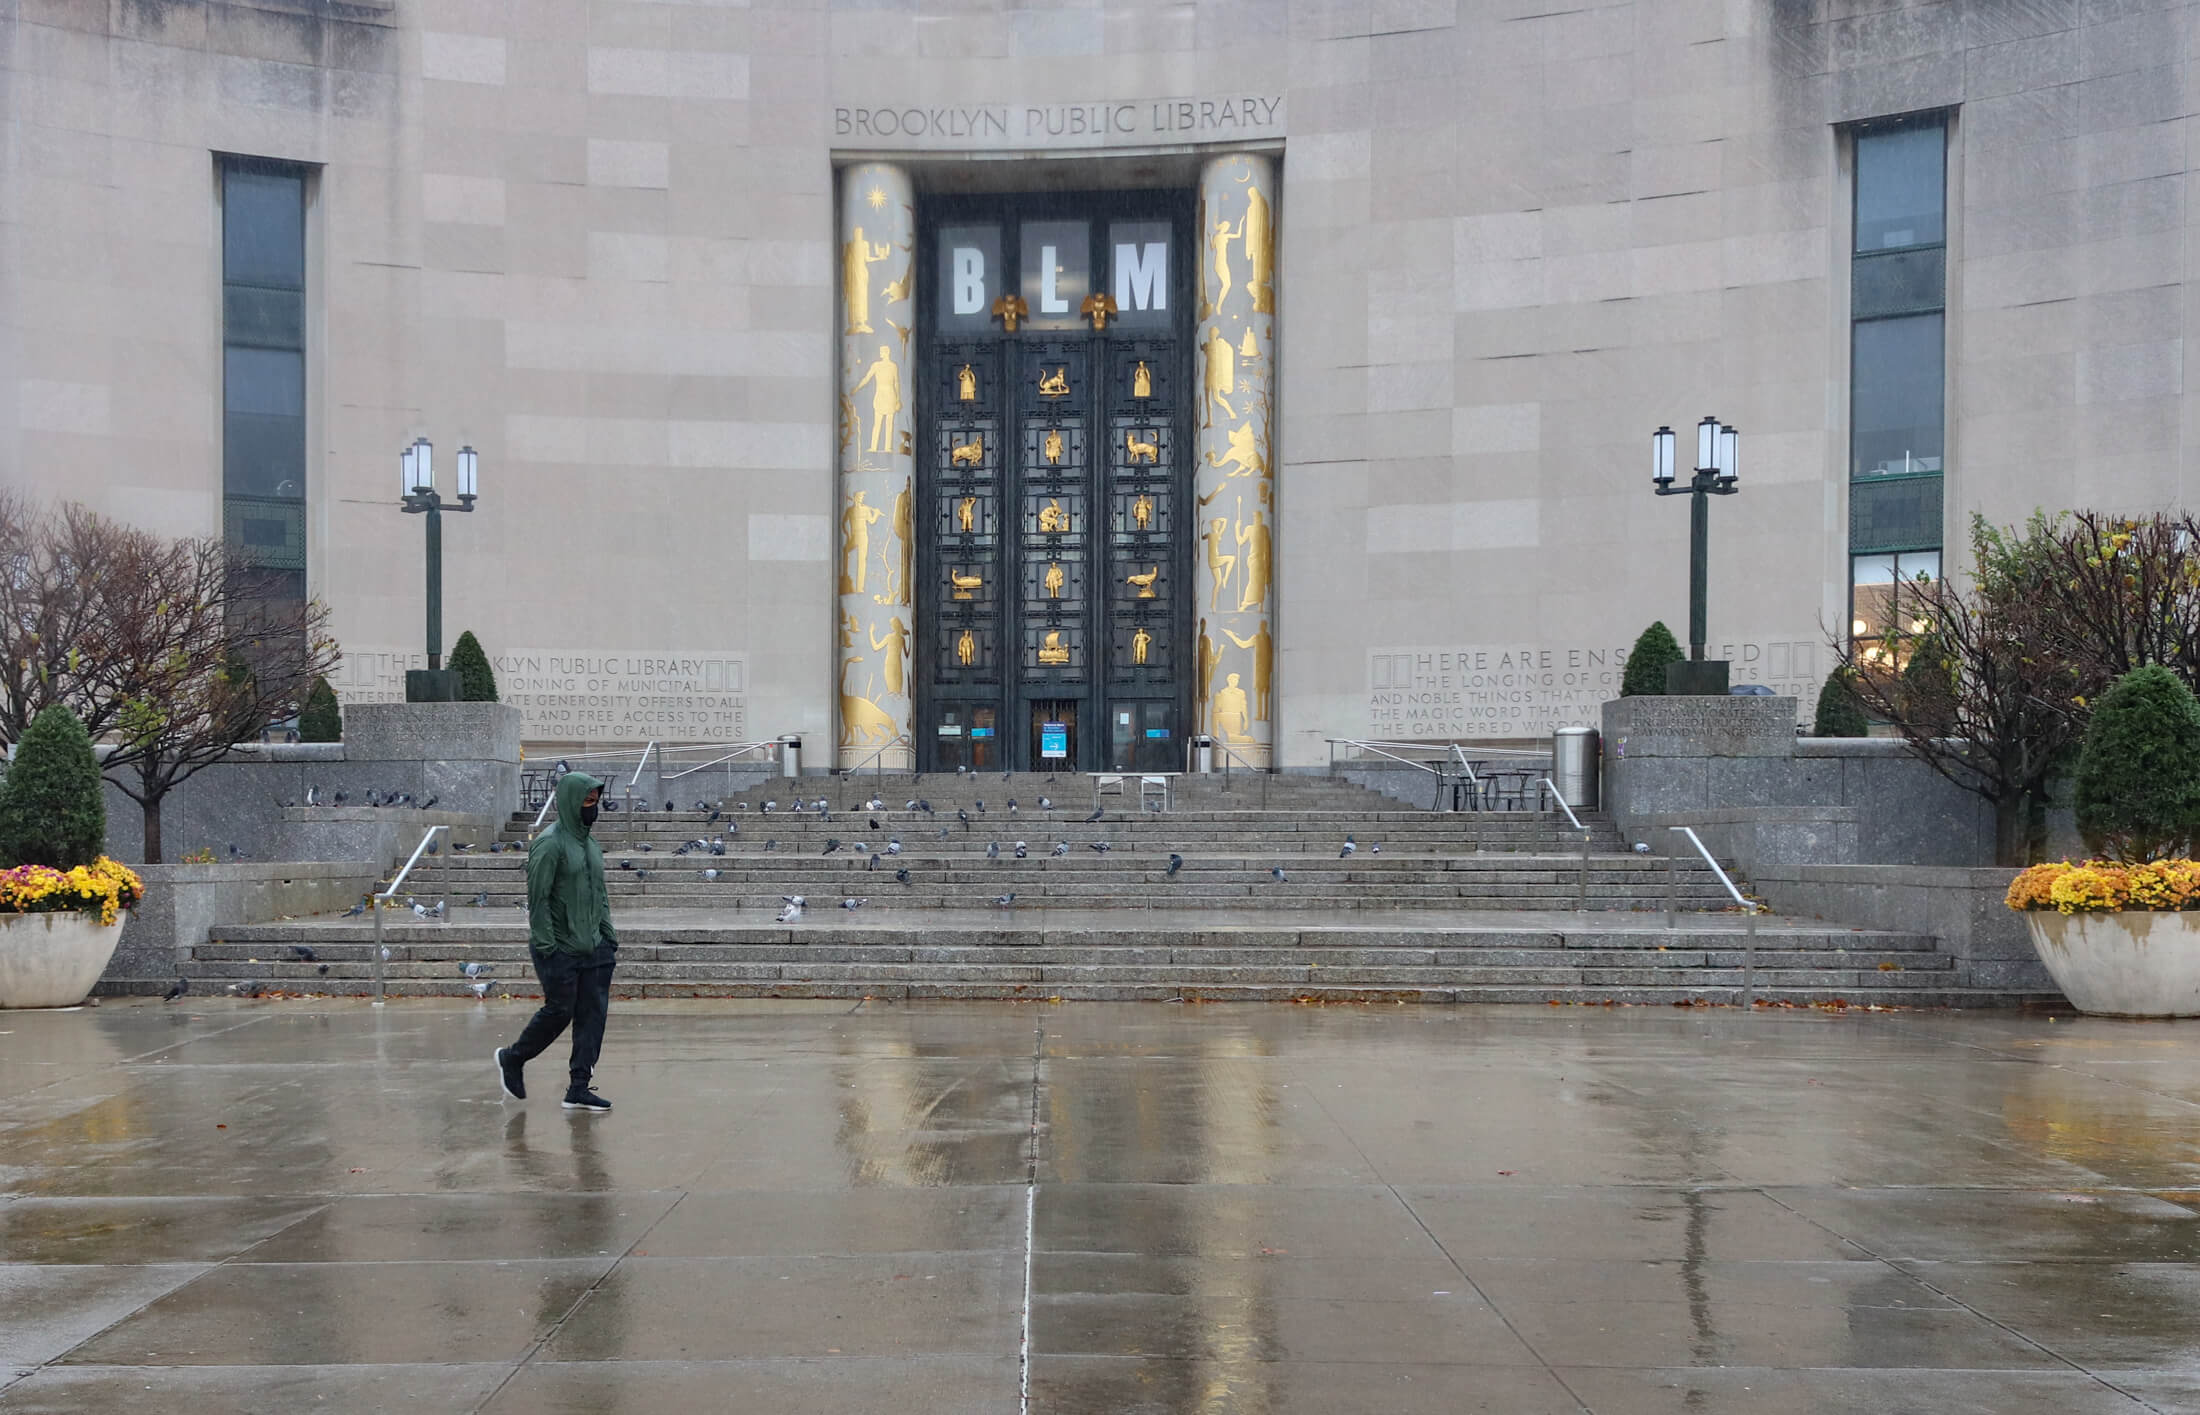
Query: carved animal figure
[[964, 584], [1055, 384], [1134, 449], [863, 723], [968, 454], [1144, 583]]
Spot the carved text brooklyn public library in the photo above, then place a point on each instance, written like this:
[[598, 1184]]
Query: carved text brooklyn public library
[[1181, 118]]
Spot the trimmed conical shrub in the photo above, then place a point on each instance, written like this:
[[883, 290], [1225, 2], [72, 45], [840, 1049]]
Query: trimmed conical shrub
[[320, 720], [2138, 780], [51, 808], [1839, 713], [477, 682], [1645, 671]]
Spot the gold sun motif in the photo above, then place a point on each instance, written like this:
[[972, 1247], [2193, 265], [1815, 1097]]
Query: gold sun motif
[[877, 198]]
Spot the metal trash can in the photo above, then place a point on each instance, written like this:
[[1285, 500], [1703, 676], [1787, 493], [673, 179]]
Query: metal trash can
[[1574, 766], [790, 756], [1203, 755]]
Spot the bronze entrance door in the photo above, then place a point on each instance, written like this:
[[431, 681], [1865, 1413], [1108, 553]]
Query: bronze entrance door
[[1053, 578]]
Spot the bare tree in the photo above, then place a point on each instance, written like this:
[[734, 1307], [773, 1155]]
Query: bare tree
[[1981, 694], [57, 571], [202, 655]]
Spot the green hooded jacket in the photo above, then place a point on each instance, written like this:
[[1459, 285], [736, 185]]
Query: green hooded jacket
[[568, 908]]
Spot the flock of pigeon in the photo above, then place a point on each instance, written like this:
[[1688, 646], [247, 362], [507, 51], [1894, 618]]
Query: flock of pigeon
[[793, 906]]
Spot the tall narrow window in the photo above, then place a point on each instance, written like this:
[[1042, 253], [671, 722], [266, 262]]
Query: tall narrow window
[[264, 369], [1897, 386]]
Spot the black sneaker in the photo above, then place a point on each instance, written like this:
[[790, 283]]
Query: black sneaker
[[508, 1076], [581, 1098]]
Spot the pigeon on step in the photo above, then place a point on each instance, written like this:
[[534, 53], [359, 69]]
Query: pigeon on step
[[792, 914], [1061, 848], [1176, 862]]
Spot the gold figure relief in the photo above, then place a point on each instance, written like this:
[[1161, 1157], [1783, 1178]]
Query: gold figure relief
[[1051, 447], [863, 723], [1220, 566], [1241, 453], [966, 515], [896, 292], [905, 530], [1218, 259], [1142, 381], [966, 384], [1263, 647], [966, 649], [1210, 655], [883, 378], [1099, 307], [1133, 449], [856, 520], [1219, 382], [968, 454], [1055, 384], [1144, 583], [857, 257], [1260, 249], [1248, 347], [964, 586], [1254, 547], [1052, 649], [1009, 309], [1053, 520], [1142, 513], [1054, 580], [895, 648], [1141, 645], [1230, 714]]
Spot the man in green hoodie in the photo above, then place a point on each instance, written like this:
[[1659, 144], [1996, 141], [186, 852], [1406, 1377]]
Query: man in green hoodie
[[570, 939]]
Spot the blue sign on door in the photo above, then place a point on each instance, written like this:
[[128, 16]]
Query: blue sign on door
[[1053, 739]]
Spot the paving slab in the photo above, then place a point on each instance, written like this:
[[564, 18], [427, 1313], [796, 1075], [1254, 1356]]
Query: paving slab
[[1051, 1208]]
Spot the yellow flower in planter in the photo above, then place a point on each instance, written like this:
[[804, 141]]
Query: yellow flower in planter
[[106, 886], [2105, 887]]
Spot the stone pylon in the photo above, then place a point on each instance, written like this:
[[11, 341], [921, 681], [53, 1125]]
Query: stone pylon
[[877, 494], [1234, 642]]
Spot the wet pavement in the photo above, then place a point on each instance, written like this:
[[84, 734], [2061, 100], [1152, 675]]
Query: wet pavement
[[981, 1208]]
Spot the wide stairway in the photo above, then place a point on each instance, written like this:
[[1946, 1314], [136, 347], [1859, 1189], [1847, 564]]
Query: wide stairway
[[1262, 900]]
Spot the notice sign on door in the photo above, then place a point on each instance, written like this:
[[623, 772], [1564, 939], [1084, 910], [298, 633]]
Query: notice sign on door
[[1053, 739]]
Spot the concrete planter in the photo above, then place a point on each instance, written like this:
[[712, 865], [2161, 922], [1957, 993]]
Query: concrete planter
[[2138, 963], [52, 960]]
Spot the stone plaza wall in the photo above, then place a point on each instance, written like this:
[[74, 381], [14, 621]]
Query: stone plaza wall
[[1671, 760], [463, 756]]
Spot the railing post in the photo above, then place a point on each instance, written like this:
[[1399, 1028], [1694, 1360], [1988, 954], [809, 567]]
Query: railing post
[[374, 905], [1582, 898], [1672, 883], [1749, 955]]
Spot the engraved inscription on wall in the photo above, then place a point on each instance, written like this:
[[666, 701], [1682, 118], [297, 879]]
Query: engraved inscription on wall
[[1430, 693], [1212, 118], [565, 695]]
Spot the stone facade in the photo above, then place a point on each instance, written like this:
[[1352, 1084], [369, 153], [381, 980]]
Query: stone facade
[[598, 242]]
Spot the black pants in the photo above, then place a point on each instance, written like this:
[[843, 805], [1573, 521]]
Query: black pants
[[576, 992]]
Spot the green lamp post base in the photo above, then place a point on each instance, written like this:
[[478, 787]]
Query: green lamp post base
[[439, 685]]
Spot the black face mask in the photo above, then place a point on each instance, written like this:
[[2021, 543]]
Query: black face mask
[[588, 815]]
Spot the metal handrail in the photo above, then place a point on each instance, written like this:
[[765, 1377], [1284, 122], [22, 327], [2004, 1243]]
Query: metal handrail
[[1581, 890], [376, 901], [900, 740], [1378, 749], [740, 750], [1750, 907], [1228, 757], [635, 779]]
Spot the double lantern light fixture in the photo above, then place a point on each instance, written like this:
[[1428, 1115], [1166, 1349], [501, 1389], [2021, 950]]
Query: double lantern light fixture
[[1717, 473], [418, 496]]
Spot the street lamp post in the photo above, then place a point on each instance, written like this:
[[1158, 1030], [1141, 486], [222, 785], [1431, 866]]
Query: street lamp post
[[417, 494], [1718, 470]]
